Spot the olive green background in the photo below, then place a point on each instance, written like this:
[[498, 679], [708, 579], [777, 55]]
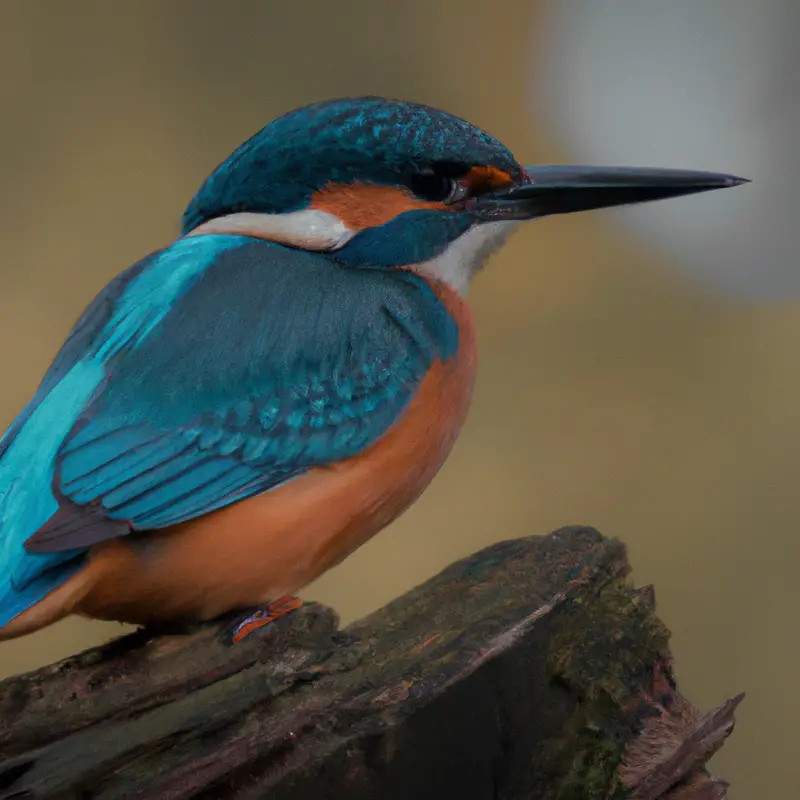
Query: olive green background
[[613, 390]]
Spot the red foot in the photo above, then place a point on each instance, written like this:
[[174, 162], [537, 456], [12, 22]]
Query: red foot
[[263, 616]]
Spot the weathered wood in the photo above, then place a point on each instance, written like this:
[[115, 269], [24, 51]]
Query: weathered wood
[[529, 670]]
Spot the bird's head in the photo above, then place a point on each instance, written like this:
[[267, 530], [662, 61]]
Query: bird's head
[[383, 183]]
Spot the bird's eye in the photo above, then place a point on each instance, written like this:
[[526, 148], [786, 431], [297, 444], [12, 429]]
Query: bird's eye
[[437, 188]]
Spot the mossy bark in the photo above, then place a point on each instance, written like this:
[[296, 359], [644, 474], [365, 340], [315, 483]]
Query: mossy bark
[[529, 670]]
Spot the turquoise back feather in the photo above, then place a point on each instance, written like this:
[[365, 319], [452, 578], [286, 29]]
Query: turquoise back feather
[[211, 371]]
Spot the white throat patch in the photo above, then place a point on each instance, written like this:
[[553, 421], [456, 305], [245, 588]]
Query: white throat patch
[[457, 265]]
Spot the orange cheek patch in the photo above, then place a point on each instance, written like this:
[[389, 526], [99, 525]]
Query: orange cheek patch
[[485, 179], [363, 205]]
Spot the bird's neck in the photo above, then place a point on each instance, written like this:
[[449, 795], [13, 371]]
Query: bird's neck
[[464, 257], [319, 231]]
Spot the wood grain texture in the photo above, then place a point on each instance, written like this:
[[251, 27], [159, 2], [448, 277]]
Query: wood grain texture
[[530, 669]]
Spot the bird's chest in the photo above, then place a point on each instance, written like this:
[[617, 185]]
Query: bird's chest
[[356, 498]]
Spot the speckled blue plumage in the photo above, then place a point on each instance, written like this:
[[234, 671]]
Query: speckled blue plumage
[[363, 138], [213, 370]]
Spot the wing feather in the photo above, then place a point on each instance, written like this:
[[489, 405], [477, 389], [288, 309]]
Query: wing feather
[[273, 361]]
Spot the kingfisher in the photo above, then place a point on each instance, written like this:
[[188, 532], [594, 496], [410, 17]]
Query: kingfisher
[[236, 413]]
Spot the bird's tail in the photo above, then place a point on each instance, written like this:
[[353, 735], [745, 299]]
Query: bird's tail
[[28, 454]]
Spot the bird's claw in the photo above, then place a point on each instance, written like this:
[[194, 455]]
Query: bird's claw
[[259, 618]]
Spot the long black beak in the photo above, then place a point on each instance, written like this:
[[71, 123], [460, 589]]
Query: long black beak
[[562, 190]]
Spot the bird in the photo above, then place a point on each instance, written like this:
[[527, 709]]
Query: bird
[[236, 413]]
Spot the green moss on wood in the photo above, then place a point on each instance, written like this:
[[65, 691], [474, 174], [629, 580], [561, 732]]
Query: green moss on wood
[[605, 653]]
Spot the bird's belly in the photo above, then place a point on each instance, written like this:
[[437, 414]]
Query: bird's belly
[[276, 543]]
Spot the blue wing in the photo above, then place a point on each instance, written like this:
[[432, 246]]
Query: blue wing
[[215, 370]]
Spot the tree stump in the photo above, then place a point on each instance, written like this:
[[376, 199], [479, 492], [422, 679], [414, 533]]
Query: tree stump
[[528, 670]]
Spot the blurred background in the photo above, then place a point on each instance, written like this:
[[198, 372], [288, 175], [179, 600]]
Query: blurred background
[[638, 367]]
